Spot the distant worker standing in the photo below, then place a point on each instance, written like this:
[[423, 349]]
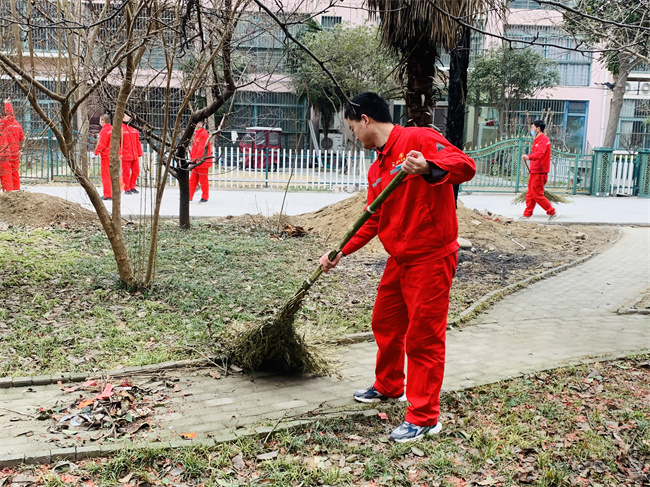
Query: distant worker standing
[[6, 182], [538, 163], [103, 150], [200, 173], [15, 137], [131, 153]]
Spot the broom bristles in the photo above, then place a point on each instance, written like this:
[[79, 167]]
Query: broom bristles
[[552, 197], [275, 345]]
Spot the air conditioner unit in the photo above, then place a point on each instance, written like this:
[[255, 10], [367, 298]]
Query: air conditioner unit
[[333, 142], [644, 87]]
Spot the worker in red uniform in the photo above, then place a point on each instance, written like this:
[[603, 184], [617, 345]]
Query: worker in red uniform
[[103, 150], [6, 180], [538, 163], [200, 151], [418, 227], [131, 153], [14, 138]]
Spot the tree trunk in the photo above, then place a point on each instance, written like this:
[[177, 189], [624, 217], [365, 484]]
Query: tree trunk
[[183, 178], [458, 94], [419, 86], [617, 100]]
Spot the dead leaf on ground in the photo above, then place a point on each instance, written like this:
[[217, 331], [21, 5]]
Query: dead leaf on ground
[[268, 456], [238, 462]]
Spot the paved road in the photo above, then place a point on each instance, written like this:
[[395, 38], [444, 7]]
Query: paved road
[[224, 202], [561, 320]]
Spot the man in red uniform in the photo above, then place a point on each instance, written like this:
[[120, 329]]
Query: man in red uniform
[[200, 173], [14, 139], [131, 153], [418, 227], [6, 180], [103, 150], [539, 164]]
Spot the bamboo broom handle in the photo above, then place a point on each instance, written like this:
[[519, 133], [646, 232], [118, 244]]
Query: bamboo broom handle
[[372, 208]]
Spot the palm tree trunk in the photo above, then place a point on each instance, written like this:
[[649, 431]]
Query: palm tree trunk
[[420, 71]]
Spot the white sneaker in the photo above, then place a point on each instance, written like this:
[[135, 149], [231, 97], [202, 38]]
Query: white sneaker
[[523, 218], [554, 217], [407, 432]]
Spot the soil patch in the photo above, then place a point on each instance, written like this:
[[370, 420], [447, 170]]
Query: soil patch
[[37, 210], [503, 251]]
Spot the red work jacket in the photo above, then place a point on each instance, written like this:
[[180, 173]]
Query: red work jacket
[[417, 223], [104, 143], [540, 156], [13, 130], [201, 136], [131, 146]]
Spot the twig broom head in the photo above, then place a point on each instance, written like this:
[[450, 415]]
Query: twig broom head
[[552, 197], [276, 347]]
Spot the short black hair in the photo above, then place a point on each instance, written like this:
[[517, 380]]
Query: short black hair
[[540, 124], [370, 104]]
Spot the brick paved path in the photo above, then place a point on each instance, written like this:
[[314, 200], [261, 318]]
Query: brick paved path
[[563, 319]]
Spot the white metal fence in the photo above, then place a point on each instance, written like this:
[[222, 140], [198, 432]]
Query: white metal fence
[[623, 177], [304, 169]]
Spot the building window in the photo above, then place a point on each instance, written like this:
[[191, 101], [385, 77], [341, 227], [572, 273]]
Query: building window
[[633, 128], [328, 22], [524, 5], [566, 121], [641, 68], [533, 5], [266, 109], [574, 66]]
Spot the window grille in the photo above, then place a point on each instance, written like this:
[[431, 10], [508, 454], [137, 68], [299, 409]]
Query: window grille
[[574, 66], [566, 121], [328, 22], [633, 130]]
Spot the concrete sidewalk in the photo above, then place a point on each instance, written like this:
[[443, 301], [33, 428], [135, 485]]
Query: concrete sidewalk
[[582, 209], [224, 202], [562, 320]]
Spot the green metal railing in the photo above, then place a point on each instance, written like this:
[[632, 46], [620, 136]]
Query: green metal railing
[[643, 179], [499, 168], [42, 159]]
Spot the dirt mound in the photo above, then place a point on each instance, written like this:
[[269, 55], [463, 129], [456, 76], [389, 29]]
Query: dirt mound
[[333, 221], [37, 210], [485, 230]]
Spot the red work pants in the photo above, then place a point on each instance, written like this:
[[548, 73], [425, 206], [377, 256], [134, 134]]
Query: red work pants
[[410, 317], [535, 195], [6, 177], [130, 173], [15, 172], [201, 178], [105, 171]]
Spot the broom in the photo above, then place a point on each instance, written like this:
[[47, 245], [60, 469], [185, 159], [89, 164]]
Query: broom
[[552, 197], [275, 345]]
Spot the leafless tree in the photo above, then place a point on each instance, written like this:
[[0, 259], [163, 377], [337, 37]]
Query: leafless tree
[[116, 54]]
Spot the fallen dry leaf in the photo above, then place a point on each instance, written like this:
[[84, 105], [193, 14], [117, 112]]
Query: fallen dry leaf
[[238, 462], [85, 403]]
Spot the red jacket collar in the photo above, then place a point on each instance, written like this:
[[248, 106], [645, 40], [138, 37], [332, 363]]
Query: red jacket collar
[[392, 138]]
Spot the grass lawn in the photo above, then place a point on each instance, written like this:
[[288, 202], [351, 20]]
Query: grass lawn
[[62, 308], [577, 426]]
